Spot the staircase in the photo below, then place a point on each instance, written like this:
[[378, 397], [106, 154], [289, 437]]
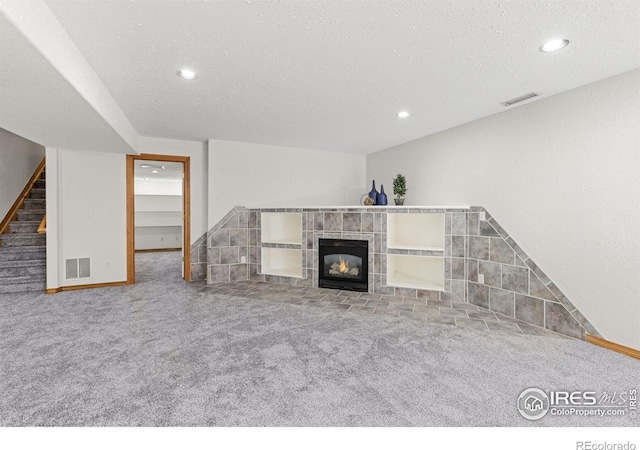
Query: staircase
[[22, 249]]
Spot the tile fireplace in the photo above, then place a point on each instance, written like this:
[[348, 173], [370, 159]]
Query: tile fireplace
[[432, 253]]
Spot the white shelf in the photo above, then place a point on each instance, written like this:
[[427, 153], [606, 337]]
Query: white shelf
[[292, 272], [281, 228], [418, 272], [282, 261], [415, 231], [158, 219], [158, 237], [158, 195], [158, 203]]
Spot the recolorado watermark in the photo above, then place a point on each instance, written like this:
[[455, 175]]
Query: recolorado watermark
[[534, 404], [588, 445]]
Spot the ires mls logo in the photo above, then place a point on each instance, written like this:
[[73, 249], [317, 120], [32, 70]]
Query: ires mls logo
[[534, 404], [576, 398]]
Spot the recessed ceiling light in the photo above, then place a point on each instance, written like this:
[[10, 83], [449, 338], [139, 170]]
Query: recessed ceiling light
[[403, 114], [187, 74], [554, 44], [154, 171]]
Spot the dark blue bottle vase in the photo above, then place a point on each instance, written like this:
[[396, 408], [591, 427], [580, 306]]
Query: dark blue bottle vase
[[382, 197], [374, 194]]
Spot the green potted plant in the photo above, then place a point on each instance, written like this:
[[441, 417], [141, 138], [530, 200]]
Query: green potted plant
[[399, 188]]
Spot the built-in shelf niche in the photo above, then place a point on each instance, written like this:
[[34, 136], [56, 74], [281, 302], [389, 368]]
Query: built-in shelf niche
[[418, 272], [415, 231], [281, 228], [158, 221], [285, 262]]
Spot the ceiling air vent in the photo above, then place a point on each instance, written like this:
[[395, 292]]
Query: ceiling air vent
[[522, 98]]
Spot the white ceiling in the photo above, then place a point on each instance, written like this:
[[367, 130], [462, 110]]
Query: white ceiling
[[48, 92], [331, 75], [146, 170]]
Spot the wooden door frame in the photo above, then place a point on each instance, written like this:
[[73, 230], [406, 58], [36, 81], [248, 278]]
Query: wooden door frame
[[186, 210]]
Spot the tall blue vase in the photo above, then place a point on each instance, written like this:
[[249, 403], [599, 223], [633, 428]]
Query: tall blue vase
[[374, 194], [382, 197]]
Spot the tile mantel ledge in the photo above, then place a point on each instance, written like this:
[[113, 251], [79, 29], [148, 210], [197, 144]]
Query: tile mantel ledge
[[368, 208]]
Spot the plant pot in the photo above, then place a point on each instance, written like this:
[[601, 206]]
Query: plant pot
[[399, 201]]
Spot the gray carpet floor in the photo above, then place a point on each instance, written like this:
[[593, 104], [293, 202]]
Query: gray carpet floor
[[166, 353]]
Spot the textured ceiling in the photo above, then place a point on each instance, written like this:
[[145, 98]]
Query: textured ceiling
[[157, 170], [331, 75]]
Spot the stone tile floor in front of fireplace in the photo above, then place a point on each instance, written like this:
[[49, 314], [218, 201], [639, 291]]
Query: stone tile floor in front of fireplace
[[432, 311]]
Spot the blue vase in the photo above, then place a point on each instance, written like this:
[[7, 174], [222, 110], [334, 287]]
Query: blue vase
[[382, 197], [374, 194]]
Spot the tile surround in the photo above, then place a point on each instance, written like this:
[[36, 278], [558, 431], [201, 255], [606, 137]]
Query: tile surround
[[514, 285]]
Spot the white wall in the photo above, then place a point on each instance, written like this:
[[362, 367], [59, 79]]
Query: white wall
[[86, 215], [253, 175], [197, 151], [18, 159], [561, 175]]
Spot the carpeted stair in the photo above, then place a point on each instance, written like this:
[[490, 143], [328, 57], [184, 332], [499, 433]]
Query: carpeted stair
[[22, 248]]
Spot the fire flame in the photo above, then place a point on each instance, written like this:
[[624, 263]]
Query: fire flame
[[344, 266]]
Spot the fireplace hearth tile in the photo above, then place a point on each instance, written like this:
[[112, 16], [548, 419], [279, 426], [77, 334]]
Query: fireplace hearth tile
[[428, 295], [386, 312], [438, 303], [379, 305], [432, 310], [391, 299], [338, 306], [414, 301], [334, 298], [482, 315], [441, 319], [355, 301], [339, 302], [504, 326], [317, 303], [314, 295], [361, 309], [462, 305], [413, 315], [472, 323], [452, 312]]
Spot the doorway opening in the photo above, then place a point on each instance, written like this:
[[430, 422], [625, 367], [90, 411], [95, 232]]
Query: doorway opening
[[158, 208]]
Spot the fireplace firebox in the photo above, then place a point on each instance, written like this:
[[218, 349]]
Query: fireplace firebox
[[343, 264]]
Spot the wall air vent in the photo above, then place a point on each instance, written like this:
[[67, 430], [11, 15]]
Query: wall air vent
[[522, 98], [78, 268]]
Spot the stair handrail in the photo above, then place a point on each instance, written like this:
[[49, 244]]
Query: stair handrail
[[20, 200], [43, 225]]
